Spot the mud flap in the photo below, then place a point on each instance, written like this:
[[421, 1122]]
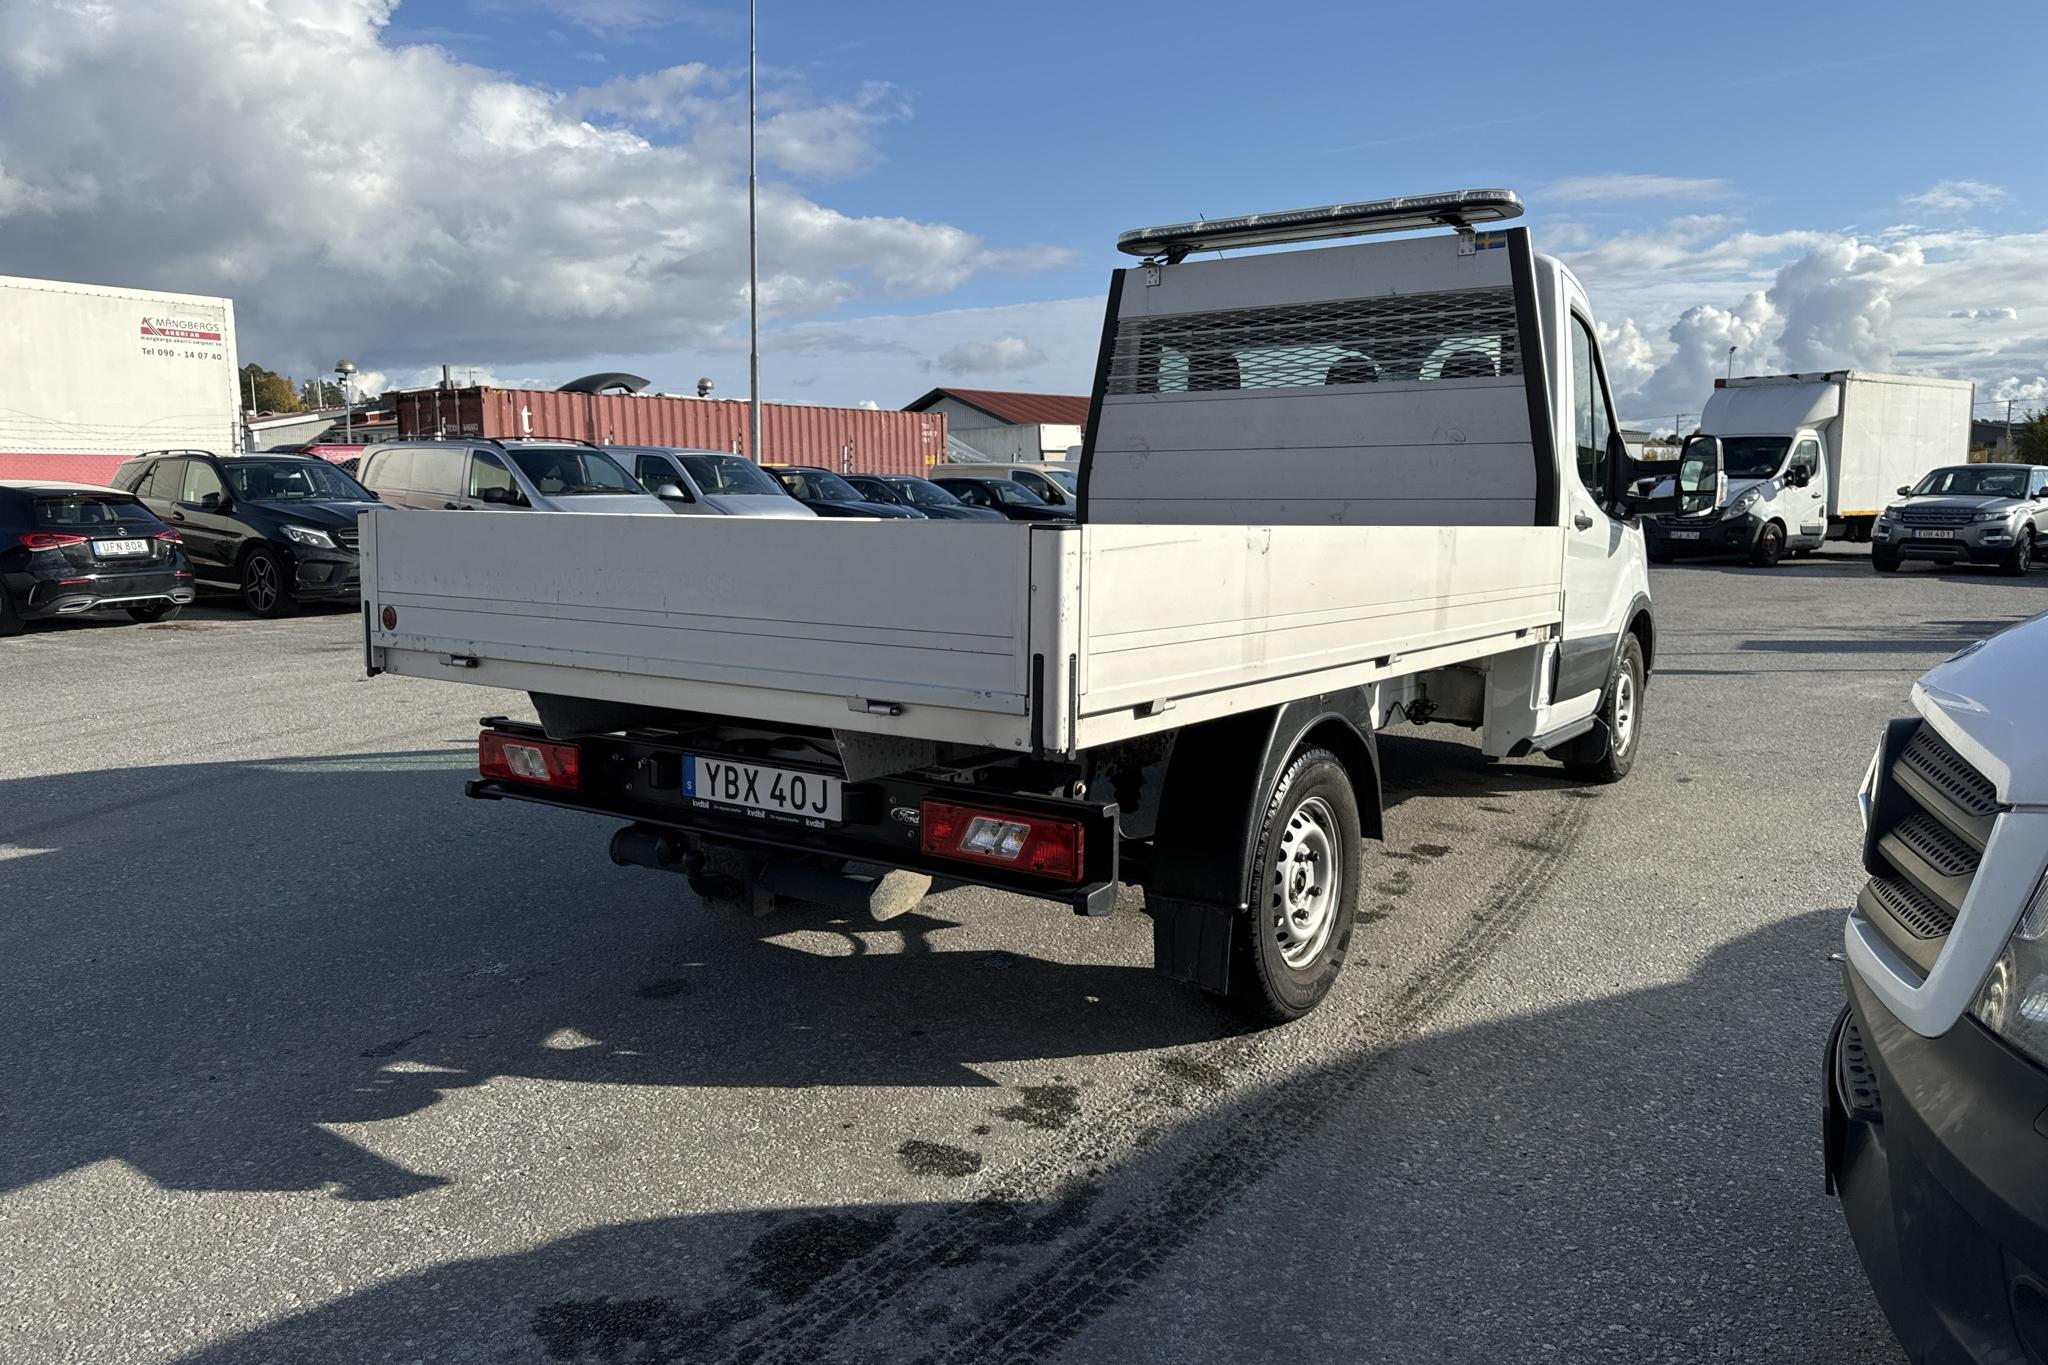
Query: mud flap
[[1191, 941]]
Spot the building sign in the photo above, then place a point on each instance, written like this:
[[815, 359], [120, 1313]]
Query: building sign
[[182, 338]]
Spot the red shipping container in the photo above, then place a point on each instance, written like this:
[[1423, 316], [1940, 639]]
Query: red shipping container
[[850, 440]]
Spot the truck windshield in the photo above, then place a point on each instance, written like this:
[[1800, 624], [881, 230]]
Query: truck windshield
[[568, 471], [730, 476], [291, 481], [1753, 457], [1977, 481]]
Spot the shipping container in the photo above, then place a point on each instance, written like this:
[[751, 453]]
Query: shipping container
[[90, 375], [852, 440]]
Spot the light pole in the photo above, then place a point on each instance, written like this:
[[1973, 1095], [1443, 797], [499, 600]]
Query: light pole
[[347, 370], [753, 253], [1731, 362]]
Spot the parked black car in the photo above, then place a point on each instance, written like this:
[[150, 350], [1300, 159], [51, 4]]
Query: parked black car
[[831, 496], [922, 495], [278, 529], [1001, 495], [71, 547]]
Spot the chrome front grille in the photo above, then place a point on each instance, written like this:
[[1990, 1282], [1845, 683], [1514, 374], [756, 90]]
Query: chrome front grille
[[1931, 818], [346, 539]]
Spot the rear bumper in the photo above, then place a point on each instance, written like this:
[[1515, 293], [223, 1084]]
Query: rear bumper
[[634, 778], [1937, 1148], [1706, 536], [47, 597]]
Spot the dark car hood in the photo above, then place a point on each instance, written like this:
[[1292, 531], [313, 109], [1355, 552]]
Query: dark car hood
[[1960, 502], [314, 511], [1039, 514], [865, 509]]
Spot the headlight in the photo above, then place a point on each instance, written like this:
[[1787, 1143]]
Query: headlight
[[2013, 1002], [1888, 514], [1992, 515], [307, 535], [1743, 503]]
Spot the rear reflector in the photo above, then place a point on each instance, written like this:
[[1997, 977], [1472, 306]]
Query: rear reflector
[[50, 540], [527, 760], [1040, 845]]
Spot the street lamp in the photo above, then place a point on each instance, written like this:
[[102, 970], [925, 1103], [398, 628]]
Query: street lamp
[[1731, 362], [347, 370]]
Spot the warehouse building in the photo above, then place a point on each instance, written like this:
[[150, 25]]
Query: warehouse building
[[994, 424]]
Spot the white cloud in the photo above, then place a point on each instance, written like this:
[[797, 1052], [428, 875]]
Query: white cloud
[[1623, 187], [1956, 196], [455, 213], [1000, 354], [1987, 314]]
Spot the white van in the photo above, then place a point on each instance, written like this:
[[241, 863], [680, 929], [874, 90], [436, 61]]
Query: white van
[[547, 476]]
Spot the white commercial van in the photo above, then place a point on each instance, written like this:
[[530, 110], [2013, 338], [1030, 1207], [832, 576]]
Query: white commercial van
[[1321, 491], [1816, 457]]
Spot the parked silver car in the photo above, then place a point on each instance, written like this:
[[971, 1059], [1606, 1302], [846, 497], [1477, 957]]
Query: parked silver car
[[709, 482], [549, 476], [1976, 513]]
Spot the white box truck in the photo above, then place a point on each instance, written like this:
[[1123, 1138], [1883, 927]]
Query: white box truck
[[94, 375], [1815, 457], [1321, 491]]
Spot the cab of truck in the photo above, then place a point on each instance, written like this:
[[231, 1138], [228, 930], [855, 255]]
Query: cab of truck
[[1777, 496]]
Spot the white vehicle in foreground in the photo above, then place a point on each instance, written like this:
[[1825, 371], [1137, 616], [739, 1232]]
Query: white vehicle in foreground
[[1936, 1077], [1321, 491], [1815, 457]]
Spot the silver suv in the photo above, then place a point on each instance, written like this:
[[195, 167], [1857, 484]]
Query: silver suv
[[1979, 513]]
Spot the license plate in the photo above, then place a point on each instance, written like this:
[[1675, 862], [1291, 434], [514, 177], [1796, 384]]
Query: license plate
[[1685, 535], [1934, 535], [762, 791], [114, 549]]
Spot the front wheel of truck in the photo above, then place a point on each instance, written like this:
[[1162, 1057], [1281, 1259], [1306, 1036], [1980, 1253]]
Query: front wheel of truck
[[1621, 716], [1289, 944]]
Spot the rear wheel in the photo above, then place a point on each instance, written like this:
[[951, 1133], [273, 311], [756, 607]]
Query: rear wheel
[[154, 611], [2020, 557], [10, 615], [1769, 547], [1290, 943], [1607, 757], [266, 581]]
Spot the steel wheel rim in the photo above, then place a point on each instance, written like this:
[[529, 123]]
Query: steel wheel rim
[[1308, 881], [1624, 711], [262, 586]]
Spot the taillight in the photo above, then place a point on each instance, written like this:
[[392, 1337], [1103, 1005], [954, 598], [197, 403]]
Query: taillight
[[527, 760], [168, 535], [50, 540], [1041, 845]]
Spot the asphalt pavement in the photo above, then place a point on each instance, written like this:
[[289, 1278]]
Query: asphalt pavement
[[311, 1059]]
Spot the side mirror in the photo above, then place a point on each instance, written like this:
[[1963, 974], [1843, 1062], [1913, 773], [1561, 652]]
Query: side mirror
[[1698, 487], [1905, 490], [494, 495], [669, 492], [1798, 477], [212, 502]]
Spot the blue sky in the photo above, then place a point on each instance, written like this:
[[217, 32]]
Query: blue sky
[[536, 187]]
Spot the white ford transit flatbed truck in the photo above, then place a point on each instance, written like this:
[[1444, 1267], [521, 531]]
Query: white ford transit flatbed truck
[[1321, 490]]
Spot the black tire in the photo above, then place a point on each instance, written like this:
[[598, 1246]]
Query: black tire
[[2020, 558], [154, 612], [10, 618], [1607, 755], [1289, 946], [1769, 547], [1884, 563], [266, 584], [1660, 556]]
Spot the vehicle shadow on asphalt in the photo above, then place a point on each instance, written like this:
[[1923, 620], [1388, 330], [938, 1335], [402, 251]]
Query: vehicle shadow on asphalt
[[1578, 1172], [205, 966]]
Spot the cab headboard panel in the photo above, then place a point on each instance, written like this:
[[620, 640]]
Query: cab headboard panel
[[1391, 383]]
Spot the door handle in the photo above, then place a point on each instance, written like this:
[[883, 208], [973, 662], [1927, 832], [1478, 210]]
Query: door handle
[[1583, 522], [177, 516]]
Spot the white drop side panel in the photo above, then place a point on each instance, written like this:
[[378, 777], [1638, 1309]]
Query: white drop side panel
[[1182, 624], [814, 622]]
